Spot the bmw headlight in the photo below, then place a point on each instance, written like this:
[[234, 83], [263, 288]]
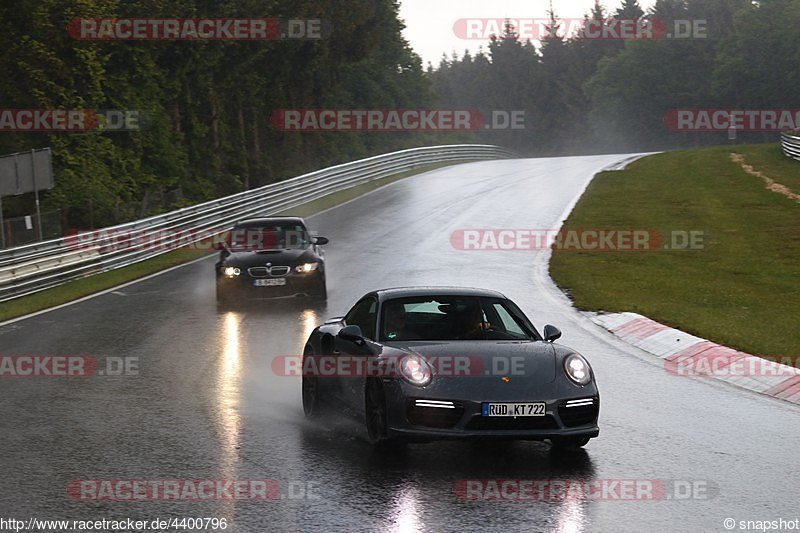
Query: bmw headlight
[[231, 272], [306, 267], [577, 369], [415, 370]]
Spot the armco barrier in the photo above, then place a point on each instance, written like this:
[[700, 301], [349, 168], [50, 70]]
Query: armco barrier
[[791, 145], [35, 267]]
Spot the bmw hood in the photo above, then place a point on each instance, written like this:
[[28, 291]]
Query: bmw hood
[[289, 257]]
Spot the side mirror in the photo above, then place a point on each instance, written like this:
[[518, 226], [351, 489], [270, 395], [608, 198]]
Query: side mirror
[[352, 333], [321, 240], [222, 248], [221, 242], [551, 333]]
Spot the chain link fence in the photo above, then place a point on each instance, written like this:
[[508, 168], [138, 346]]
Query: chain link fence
[[25, 230]]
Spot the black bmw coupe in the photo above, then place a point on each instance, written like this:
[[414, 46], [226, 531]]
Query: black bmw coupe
[[268, 258]]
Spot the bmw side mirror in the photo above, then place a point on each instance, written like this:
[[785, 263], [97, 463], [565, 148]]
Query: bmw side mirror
[[551, 333], [352, 333], [321, 240], [221, 245]]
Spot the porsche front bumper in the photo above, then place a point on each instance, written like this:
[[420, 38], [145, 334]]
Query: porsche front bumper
[[419, 414]]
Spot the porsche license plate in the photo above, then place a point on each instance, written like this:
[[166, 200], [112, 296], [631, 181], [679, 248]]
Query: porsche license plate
[[269, 282], [513, 409]]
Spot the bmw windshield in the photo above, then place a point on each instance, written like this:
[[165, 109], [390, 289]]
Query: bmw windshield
[[269, 237]]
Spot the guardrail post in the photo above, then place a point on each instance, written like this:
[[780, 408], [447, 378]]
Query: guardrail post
[[36, 194]]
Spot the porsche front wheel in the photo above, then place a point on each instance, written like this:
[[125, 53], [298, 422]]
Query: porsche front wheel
[[312, 406], [375, 414]]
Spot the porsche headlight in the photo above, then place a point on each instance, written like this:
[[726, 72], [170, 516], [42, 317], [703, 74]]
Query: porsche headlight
[[231, 272], [306, 267], [415, 370], [577, 369]]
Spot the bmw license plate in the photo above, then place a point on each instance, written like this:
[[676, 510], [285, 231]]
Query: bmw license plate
[[513, 409], [269, 282]]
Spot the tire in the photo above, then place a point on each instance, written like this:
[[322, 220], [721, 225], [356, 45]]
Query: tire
[[321, 291], [375, 412], [569, 443], [312, 406], [376, 421]]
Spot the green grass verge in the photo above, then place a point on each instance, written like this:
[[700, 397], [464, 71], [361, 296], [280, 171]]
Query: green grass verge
[[76, 289], [769, 159], [741, 290]]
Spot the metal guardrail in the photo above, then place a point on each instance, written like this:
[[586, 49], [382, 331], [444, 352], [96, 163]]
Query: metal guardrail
[[791, 145], [35, 267]]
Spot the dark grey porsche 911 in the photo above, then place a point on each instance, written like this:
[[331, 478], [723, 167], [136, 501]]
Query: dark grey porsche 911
[[429, 363]]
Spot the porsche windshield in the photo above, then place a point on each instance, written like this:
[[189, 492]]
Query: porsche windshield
[[269, 237], [453, 318]]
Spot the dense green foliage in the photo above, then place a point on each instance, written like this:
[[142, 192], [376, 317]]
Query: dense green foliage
[[208, 103], [586, 95]]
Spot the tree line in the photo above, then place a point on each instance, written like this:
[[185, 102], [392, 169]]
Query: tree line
[[583, 95], [207, 105]]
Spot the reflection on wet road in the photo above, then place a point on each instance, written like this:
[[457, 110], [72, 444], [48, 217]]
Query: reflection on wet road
[[208, 405]]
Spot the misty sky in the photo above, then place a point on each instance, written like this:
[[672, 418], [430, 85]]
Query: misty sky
[[429, 23]]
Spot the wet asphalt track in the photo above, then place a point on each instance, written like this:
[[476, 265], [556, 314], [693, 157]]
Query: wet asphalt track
[[206, 403]]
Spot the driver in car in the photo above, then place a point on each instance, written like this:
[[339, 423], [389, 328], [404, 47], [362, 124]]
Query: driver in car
[[396, 324], [475, 325]]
